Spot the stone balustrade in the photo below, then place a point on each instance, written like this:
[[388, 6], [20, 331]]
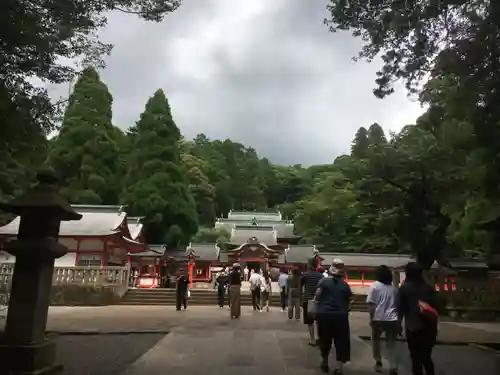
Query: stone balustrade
[[102, 276]]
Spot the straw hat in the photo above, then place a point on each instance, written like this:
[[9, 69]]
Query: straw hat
[[337, 268], [236, 265]]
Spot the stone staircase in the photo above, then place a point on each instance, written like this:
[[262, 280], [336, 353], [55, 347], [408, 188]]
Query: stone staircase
[[359, 303], [202, 297]]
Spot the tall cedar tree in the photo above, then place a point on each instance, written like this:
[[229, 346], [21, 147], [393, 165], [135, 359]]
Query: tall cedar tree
[[156, 183], [85, 153], [376, 135], [38, 38], [360, 144]]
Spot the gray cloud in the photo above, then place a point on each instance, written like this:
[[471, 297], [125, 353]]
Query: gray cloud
[[264, 73]]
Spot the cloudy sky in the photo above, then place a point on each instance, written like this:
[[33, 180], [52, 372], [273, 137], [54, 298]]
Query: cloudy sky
[[264, 73]]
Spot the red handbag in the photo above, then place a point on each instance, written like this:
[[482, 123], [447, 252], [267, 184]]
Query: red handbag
[[428, 311]]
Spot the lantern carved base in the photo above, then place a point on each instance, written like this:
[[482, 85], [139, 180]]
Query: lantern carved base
[[37, 358]]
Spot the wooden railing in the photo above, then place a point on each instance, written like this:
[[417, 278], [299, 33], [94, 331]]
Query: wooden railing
[[104, 276], [466, 297]]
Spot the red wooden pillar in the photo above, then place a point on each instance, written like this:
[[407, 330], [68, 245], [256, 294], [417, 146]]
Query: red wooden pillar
[[77, 252], [191, 260], [154, 271], [104, 253]]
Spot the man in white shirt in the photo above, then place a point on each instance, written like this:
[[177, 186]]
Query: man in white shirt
[[255, 289], [282, 282], [245, 273], [381, 301]]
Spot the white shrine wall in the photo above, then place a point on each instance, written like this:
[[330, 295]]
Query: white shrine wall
[[70, 243], [91, 245], [69, 259], [5, 257]]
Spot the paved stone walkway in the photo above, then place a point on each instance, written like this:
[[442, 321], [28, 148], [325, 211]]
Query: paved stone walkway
[[206, 339], [164, 318], [258, 343]]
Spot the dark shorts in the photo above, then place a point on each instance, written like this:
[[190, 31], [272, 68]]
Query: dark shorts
[[306, 318]]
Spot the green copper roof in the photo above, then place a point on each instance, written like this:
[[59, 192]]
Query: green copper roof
[[207, 252], [249, 215], [98, 208], [242, 234]]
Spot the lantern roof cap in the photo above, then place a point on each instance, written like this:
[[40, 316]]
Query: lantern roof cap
[[44, 199]]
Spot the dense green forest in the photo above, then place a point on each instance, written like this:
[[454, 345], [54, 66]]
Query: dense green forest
[[432, 190]]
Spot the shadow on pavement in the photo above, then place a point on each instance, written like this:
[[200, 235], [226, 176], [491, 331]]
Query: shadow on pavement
[[102, 354]]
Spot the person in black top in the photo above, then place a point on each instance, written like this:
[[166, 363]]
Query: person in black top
[[221, 285], [235, 291], [417, 304], [181, 291]]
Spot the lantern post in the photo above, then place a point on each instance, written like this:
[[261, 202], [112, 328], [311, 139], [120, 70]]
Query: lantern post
[[24, 346]]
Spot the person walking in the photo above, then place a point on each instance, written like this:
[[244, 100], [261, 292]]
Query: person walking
[[181, 291], [308, 286], [235, 291], [228, 289], [265, 291], [221, 285], [135, 276], [255, 289], [245, 273], [282, 280], [333, 297], [293, 293], [417, 304], [382, 308]]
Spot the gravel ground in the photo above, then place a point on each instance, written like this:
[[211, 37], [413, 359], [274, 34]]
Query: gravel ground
[[102, 354]]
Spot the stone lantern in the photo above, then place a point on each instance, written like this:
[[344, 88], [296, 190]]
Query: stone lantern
[[24, 346]]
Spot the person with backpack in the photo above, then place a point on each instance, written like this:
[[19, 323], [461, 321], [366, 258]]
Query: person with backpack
[[417, 304]]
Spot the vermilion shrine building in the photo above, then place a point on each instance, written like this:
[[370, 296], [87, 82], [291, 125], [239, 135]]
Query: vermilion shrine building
[[105, 236], [263, 240]]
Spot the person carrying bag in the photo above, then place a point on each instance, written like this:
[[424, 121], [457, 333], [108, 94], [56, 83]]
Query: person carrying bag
[[331, 309], [312, 308]]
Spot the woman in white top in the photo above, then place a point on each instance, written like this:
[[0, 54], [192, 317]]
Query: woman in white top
[[265, 291], [381, 301]]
